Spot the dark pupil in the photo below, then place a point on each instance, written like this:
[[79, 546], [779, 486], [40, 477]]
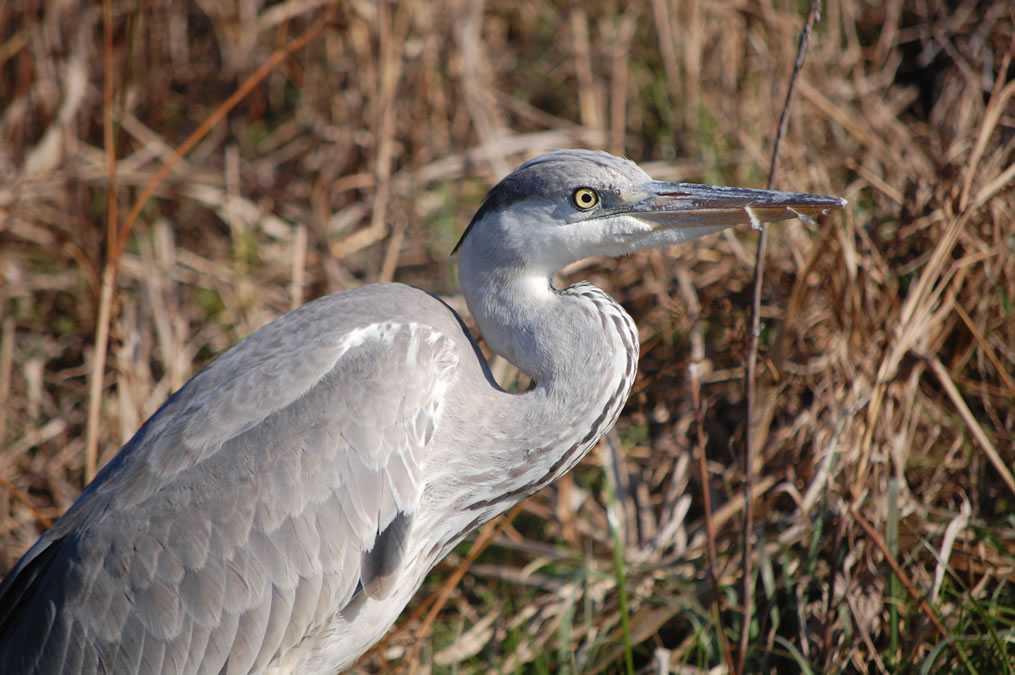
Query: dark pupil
[[585, 198]]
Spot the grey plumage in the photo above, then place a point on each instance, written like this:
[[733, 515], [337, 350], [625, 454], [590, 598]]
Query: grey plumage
[[281, 508]]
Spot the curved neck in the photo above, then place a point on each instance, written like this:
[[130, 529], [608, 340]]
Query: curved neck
[[582, 350], [528, 322], [579, 346]]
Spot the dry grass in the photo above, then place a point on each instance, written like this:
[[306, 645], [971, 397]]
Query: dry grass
[[885, 540]]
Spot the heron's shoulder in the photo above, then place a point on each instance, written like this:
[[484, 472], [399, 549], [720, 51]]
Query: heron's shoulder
[[335, 340], [364, 329]]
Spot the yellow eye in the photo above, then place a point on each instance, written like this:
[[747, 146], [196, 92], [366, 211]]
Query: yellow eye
[[585, 198]]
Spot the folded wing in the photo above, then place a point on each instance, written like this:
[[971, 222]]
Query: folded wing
[[278, 483]]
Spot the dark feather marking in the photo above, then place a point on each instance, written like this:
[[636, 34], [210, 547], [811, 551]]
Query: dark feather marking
[[379, 564], [26, 586], [581, 445]]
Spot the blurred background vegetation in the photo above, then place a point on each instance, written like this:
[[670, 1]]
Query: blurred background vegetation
[[883, 537]]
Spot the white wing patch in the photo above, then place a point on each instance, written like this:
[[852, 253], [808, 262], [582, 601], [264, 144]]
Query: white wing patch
[[412, 365]]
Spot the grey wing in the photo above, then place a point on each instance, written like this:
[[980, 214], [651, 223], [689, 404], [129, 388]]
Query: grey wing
[[247, 512]]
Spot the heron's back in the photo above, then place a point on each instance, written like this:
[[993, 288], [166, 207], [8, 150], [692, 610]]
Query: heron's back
[[270, 490]]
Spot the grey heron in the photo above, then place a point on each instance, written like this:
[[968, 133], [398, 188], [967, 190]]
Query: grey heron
[[278, 511]]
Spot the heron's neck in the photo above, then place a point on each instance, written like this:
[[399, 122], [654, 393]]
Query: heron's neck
[[582, 350], [531, 324]]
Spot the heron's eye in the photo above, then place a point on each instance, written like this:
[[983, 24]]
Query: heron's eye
[[585, 198]]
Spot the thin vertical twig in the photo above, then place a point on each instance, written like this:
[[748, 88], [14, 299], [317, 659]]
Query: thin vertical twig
[[813, 14], [615, 523], [391, 32], [622, 36], [7, 335], [96, 374], [590, 112], [298, 265], [116, 236]]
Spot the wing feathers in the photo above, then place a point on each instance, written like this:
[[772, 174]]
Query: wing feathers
[[159, 608], [219, 643], [153, 656], [278, 620], [130, 647], [249, 639], [202, 593], [240, 519], [190, 537]]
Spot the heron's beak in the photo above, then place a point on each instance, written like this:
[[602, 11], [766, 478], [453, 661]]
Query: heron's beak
[[692, 206]]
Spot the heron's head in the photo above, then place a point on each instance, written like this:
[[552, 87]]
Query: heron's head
[[572, 204]]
